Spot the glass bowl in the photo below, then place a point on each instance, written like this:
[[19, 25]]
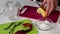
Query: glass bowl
[[45, 25]]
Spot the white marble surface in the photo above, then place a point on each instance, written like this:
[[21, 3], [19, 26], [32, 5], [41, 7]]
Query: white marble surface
[[56, 30]]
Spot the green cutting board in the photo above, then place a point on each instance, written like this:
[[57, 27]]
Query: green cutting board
[[20, 27]]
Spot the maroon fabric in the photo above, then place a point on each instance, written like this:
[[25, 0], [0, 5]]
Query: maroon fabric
[[31, 13]]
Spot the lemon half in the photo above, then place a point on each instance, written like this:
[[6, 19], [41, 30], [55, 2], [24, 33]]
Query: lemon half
[[42, 12]]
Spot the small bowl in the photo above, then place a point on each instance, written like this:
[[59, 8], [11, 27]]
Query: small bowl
[[44, 25]]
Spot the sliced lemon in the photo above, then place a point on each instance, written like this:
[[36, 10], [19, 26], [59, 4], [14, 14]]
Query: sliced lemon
[[42, 12]]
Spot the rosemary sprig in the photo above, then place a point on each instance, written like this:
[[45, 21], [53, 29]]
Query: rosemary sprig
[[9, 26], [12, 30]]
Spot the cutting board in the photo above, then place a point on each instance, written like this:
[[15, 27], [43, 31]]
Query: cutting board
[[20, 27], [31, 12]]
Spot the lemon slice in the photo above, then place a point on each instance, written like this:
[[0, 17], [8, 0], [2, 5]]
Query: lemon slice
[[42, 12]]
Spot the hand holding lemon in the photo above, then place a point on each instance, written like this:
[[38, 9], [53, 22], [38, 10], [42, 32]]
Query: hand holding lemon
[[51, 5]]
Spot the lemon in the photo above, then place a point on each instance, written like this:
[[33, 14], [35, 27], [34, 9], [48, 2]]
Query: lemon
[[42, 12]]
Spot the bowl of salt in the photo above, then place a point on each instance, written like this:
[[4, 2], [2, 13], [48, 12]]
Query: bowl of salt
[[44, 25]]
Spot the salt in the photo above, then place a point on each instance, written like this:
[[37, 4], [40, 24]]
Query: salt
[[44, 25]]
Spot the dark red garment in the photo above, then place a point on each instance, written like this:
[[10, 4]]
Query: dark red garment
[[31, 13]]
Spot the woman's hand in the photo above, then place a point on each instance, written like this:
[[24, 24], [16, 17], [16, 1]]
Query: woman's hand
[[51, 5]]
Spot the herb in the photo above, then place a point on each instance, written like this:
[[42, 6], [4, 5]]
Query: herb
[[9, 26], [12, 30]]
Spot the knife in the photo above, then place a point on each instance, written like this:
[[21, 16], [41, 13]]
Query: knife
[[39, 5]]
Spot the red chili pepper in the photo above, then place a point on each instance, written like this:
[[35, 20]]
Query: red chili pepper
[[25, 31]]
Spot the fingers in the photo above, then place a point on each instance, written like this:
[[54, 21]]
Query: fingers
[[48, 7], [43, 3], [56, 3], [52, 7]]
